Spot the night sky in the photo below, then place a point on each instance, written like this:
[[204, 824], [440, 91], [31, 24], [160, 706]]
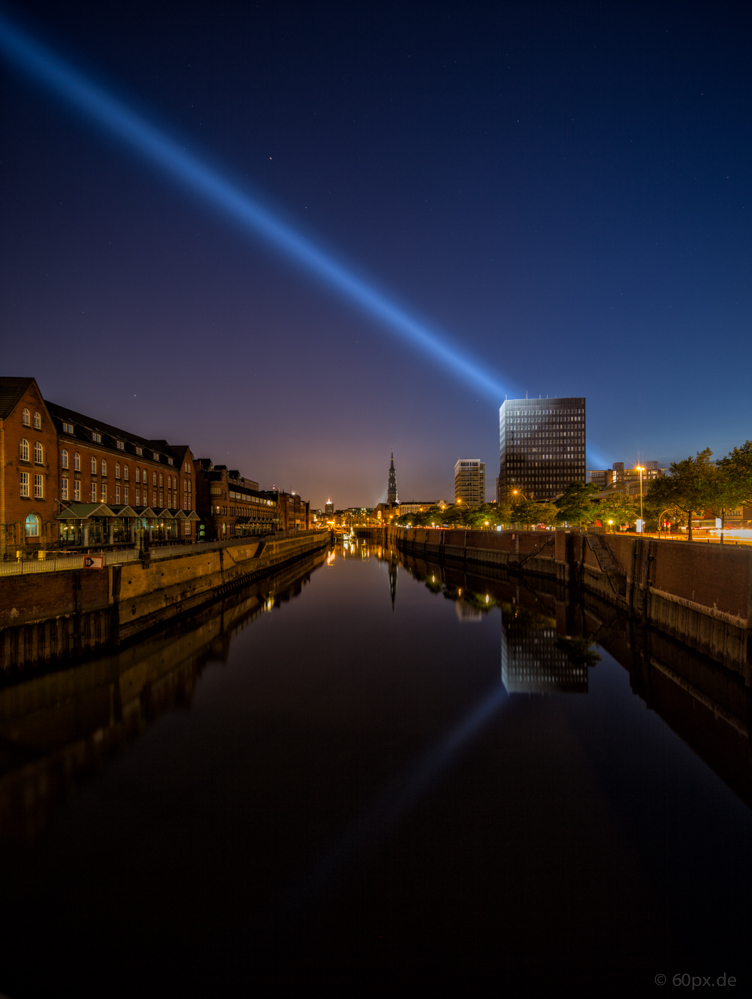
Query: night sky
[[558, 191]]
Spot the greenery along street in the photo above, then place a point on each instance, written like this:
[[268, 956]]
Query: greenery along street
[[692, 487]]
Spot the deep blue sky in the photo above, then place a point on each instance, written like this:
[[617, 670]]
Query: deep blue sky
[[562, 190]]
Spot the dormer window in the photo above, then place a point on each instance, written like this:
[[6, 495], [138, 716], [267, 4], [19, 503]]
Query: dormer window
[[139, 450], [67, 428], [97, 438], [155, 455], [120, 445], [170, 461]]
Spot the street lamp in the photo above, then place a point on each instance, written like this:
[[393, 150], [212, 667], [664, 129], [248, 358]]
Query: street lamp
[[640, 469]]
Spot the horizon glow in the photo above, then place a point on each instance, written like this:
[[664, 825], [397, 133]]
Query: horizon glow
[[153, 145]]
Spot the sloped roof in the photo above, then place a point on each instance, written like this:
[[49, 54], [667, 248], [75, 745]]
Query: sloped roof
[[11, 390]]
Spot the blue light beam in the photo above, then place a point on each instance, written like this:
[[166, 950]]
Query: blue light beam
[[136, 132], [374, 822]]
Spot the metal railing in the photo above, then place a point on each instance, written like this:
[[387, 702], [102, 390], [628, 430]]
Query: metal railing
[[59, 563], [74, 560]]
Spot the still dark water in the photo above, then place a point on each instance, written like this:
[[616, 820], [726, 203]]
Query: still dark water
[[323, 787]]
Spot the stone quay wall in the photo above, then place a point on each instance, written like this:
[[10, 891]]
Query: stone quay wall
[[699, 594], [54, 615]]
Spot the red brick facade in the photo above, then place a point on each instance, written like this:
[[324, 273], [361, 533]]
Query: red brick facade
[[28, 466], [58, 466]]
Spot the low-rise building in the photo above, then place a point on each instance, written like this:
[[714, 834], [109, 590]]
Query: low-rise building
[[293, 512], [231, 505], [626, 480]]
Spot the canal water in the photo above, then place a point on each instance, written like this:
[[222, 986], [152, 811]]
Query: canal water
[[369, 773]]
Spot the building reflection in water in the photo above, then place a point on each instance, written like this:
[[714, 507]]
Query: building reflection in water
[[549, 641], [57, 726], [536, 660]]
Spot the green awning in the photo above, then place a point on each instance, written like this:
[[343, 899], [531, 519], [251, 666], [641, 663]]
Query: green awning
[[124, 511], [145, 511], [83, 511]]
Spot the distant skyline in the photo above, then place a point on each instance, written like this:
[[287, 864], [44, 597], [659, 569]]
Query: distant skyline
[[557, 196]]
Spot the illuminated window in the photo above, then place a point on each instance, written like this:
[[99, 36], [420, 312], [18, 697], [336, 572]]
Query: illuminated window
[[25, 418], [38, 453], [93, 466], [33, 525], [37, 421], [76, 462], [126, 473], [25, 485], [104, 467], [117, 469], [64, 489], [93, 493], [38, 487], [120, 445], [64, 458], [23, 449], [104, 493]]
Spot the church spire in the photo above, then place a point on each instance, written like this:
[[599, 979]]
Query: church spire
[[391, 494]]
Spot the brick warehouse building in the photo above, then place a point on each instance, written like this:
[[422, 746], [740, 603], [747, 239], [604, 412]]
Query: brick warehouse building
[[69, 480], [231, 506]]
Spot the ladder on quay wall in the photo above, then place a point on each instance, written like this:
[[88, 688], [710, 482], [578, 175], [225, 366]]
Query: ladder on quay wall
[[617, 577], [516, 565]]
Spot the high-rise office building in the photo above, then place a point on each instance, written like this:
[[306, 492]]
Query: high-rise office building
[[470, 481], [541, 447]]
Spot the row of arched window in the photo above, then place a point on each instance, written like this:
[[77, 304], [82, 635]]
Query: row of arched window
[[24, 450], [26, 419]]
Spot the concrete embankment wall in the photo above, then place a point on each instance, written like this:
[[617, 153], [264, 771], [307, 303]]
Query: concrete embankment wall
[[700, 594], [57, 614]]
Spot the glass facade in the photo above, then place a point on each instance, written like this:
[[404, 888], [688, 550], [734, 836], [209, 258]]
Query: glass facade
[[542, 446]]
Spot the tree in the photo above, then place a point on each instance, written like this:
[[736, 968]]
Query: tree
[[576, 504], [529, 512], [691, 485], [618, 508], [734, 480], [488, 514]]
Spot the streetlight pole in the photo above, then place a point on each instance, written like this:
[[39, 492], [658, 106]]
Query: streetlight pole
[[640, 469]]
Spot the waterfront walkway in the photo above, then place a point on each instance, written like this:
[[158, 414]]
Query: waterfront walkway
[[65, 561]]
